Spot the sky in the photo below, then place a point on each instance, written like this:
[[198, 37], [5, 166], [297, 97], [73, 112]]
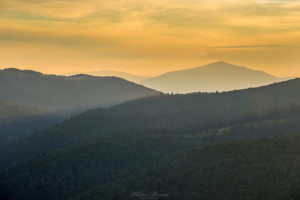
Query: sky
[[149, 37]]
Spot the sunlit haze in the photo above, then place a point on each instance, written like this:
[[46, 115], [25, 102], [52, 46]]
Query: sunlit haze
[[148, 38]]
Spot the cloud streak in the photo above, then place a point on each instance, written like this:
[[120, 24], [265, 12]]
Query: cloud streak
[[250, 46], [171, 30]]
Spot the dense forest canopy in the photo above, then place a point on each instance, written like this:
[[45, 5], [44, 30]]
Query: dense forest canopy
[[66, 173], [264, 169]]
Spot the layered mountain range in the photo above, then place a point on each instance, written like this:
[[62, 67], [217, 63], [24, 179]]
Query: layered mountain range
[[218, 76], [71, 95]]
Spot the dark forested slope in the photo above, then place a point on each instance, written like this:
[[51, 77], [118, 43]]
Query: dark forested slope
[[267, 169], [67, 94], [168, 112], [20, 121], [65, 173]]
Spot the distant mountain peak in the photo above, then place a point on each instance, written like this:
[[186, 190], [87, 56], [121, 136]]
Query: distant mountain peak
[[217, 76], [221, 64]]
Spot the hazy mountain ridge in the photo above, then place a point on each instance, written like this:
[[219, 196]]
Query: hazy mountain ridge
[[18, 72], [219, 76], [20, 121], [67, 94], [161, 112], [126, 76]]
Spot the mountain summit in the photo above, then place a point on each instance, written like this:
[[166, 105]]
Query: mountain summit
[[219, 76]]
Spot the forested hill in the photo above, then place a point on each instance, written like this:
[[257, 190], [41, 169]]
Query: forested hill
[[268, 169], [168, 112], [72, 94], [20, 121], [65, 173], [217, 103], [69, 172]]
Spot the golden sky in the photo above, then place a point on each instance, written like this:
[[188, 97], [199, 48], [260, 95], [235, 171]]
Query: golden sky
[[148, 38]]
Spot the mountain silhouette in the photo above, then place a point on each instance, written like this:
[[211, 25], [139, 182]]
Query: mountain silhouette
[[123, 75], [219, 76], [71, 95]]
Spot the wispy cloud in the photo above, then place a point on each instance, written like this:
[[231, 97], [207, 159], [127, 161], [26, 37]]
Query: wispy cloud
[[34, 1], [153, 29], [27, 16], [251, 46]]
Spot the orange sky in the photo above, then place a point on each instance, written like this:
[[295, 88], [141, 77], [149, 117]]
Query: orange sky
[[148, 37]]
